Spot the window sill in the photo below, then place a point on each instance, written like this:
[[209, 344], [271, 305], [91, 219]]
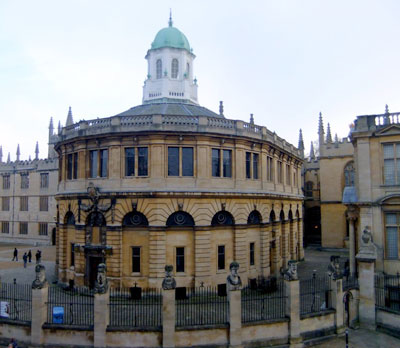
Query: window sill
[[134, 176], [221, 271], [136, 274]]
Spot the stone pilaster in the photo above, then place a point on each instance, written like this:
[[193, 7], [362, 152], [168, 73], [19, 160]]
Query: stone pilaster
[[300, 239], [168, 318], [235, 318], [265, 250], [292, 289], [202, 255], [101, 318], [241, 247], [157, 256]]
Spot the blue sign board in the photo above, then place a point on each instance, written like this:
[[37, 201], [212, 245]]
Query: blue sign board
[[58, 315]]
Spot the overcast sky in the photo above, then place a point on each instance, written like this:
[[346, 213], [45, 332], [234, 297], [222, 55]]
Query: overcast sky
[[283, 61]]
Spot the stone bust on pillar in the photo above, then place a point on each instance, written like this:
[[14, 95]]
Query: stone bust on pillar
[[40, 281], [101, 284], [233, 280], [334, 268], [168, 282], [291, 272], [367, 249]]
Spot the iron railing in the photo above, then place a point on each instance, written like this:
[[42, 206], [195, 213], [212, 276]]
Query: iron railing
[[264, 300], [315, 294], [202, 306], [70, 307], [135, 307], [387, 292], [16, 302]]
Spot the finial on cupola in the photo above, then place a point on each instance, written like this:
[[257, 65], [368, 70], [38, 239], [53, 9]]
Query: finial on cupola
[[221, 108], [251, 119], [386, 109], [170, 18], [18, 153], [37, 151]]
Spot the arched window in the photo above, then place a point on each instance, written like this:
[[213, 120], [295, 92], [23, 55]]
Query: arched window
[[349, 174], [282, 215], [272, 216], [309, 189], [135, 219], [180, 218], [187, 70], [254, 218], [69, 218], [290, 215], [159, 68], [174, 68], [222, 218]]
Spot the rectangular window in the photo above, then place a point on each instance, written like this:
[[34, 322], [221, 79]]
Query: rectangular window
[[23, 203], [248, 165], [392, 235], [70, 161], [270, 169], [173, 161], [5, 203], [44, 203], [44, 180], [103, 163], [93, 163], [221, 257], [136, 259], [5, 227], [288, 174], [24, 181], [252, 245], [130, 161], [75, 171], [72, 254], [142, 161], [23, 228], [227, 163], [215, 163], [280, 172], [42, 228], [187, 161], [255, 166], [391, 164], [6, 182], [180, 259]]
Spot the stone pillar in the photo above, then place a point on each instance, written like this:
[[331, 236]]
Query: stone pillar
[[352, 217], [101, 308], [234, 285], [337, 303], [292, 290], [40, 292], [366, 258], [168, 308]]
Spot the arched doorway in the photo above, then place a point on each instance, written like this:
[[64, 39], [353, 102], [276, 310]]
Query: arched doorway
[[312, 226], [53, 236]]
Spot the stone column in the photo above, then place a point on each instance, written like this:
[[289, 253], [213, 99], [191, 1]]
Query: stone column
[[168, 308], [292, 290], [234, 286], [40, 292], [366, 258], [337, 302], [101, 307]]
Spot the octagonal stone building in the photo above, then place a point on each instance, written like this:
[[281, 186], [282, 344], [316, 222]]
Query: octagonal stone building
[[172, 182]]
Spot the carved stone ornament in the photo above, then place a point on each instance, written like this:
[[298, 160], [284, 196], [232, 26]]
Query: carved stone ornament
[[291, 272], [367, 251], [334, 270], [40, 281], [101, 284], [168, 282], [95, 207], [233, 280]]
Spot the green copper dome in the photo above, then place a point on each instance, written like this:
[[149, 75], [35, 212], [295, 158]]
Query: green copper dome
[[170, 37]]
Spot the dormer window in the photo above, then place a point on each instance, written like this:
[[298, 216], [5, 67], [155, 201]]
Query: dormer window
[[174, 68], [159, 68]]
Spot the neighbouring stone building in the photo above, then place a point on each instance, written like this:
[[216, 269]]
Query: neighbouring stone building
[[171, 182], [27, 194], [353, 185]]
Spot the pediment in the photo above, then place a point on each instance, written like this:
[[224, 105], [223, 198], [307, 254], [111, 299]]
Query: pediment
[[389, 130], [393, 199]]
